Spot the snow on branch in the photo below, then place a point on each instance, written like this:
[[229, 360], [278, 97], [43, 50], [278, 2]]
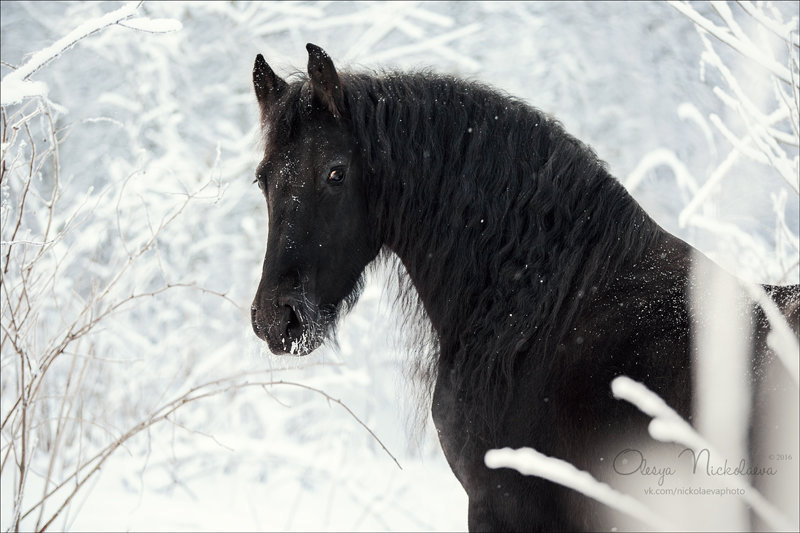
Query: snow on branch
[[763, 139], [668, 426], [760, 95], [735, 38], [14, 90], [530, 462], [152, 25], [45, 55], [16, 86], [657, 158]]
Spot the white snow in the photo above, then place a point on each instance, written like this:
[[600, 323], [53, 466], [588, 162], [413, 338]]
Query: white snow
[[14, 90]]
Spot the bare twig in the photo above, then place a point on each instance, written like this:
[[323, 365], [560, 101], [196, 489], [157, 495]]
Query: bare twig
[[22, 201], [206, 390], [335, 400]]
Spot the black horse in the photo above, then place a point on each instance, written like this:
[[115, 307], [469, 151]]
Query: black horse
[[541, 277]]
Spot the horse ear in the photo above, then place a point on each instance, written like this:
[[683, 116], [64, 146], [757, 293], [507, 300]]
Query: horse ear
[[325, 83], [268, 86]]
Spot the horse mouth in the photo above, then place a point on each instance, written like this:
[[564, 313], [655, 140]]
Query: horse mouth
[[292, 332]]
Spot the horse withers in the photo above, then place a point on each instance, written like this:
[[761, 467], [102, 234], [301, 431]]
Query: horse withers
[[540, 277]]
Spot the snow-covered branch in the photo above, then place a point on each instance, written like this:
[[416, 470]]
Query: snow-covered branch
[[731, 35], [16, 86], [669, 426], [532, 463]]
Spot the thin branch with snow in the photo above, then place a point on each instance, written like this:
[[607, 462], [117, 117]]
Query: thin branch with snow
[[530, 462]]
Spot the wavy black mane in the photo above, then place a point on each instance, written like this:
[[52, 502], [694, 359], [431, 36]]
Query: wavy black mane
[[507, 224]]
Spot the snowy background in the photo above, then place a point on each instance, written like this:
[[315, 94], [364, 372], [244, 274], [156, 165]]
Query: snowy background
[[141, 247]]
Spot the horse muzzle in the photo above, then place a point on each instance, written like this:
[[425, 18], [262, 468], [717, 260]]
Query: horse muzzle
[[287, 327]]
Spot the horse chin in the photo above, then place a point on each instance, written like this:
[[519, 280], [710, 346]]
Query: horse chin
[[301, 346]]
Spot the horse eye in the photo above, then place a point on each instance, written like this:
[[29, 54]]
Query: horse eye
[[336, 176]]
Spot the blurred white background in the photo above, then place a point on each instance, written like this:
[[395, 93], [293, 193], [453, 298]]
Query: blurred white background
[[157, 137]]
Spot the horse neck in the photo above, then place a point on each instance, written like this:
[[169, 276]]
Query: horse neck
[[481, 263], [467, 278]]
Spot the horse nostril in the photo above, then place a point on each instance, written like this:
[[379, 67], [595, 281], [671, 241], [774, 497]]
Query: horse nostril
[[292, 325]]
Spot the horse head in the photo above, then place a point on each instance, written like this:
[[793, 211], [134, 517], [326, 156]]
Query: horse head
[[320, 238]]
